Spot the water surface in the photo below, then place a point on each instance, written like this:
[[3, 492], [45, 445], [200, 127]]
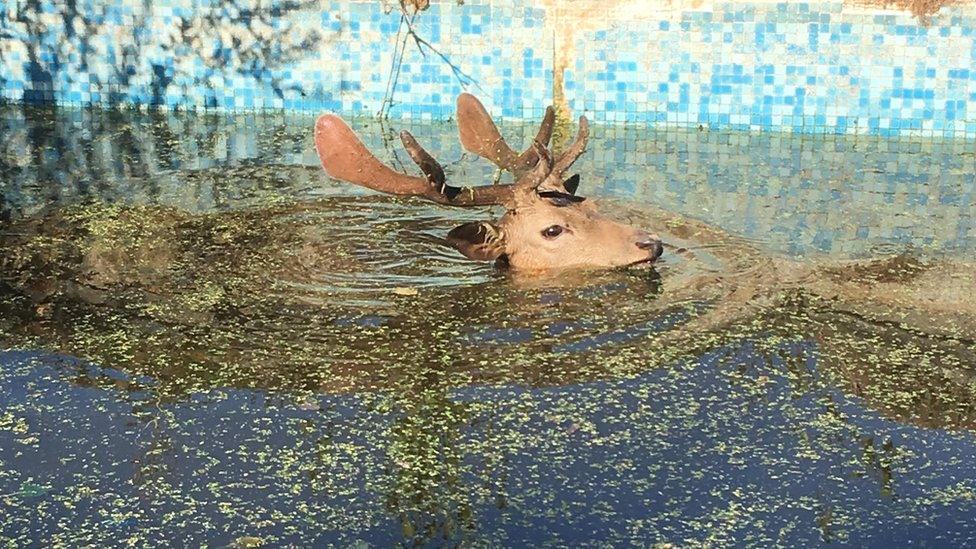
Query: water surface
[[208, 340]]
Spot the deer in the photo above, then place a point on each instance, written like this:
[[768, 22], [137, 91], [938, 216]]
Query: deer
[[546, 226]]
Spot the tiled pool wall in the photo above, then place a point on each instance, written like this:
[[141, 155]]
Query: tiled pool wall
[[812, 67], [851, 196]]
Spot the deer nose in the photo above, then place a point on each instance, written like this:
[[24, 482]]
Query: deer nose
[[651, 243]]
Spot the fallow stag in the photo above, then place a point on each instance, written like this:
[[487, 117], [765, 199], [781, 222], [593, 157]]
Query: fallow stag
[[546, 226]]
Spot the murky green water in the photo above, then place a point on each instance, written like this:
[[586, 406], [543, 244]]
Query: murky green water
[[210, 342]]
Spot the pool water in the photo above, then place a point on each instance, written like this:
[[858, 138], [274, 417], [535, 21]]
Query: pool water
[[203, 338]]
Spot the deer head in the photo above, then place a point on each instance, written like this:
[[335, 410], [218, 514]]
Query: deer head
[[546, 225]]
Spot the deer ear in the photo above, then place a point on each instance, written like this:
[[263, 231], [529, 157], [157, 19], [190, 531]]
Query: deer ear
[[572, 184], [478, 240]]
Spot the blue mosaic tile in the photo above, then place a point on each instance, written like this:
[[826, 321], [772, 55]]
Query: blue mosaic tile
[[808, 67]]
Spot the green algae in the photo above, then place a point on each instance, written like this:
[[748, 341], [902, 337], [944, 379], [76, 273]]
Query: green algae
[[326, 372], [218, 316]]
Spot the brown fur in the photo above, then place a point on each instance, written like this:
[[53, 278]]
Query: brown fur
[[588, 240], [540, 198]]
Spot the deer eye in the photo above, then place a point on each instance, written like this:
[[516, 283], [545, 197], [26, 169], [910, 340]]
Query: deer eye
[[552, 231]]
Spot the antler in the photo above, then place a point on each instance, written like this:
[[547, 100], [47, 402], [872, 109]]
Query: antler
[[569, 156], [534, 167], [547, 175], [345, 157], [480, 136]]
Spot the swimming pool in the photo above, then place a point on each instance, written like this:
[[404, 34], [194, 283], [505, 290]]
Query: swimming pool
[[209, 340]]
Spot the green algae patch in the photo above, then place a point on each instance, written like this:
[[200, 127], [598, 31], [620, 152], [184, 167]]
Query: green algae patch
[[267, 371]]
